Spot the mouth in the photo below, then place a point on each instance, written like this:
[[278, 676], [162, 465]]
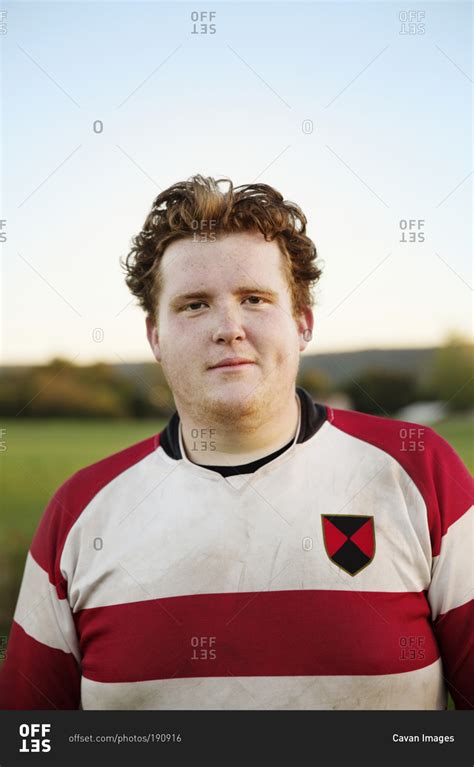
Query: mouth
[[233, 366]]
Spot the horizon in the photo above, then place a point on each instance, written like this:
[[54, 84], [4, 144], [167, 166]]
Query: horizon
[[152, 361]]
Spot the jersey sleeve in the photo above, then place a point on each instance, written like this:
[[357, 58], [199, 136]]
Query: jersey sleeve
[[41, 669], [450, 516]]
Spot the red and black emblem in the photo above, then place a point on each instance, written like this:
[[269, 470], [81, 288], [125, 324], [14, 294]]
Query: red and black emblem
[[349, 541]]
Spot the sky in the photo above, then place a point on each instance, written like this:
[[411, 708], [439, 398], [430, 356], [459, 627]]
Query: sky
[[356, 111]]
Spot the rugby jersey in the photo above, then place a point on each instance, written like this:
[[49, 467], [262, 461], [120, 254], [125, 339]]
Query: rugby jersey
[[337, 574]]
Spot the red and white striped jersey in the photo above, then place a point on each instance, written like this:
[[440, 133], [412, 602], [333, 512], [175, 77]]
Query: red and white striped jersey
[[338, 574]]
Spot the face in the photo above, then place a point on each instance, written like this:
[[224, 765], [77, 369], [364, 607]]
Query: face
[[227, 298]]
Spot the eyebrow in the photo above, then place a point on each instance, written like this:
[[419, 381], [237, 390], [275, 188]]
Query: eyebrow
[[244, 289]]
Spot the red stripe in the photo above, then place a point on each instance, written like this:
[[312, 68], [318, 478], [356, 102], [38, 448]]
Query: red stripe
[[455, 633], [276, 633], [35, 676], [71, 499], [436, 469]]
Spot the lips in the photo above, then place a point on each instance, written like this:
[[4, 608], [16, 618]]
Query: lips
[[231, 362]]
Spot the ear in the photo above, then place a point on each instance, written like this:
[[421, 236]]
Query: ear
[[305, 328], [152, 335]]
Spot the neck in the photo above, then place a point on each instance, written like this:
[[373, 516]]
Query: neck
[[224, 445]]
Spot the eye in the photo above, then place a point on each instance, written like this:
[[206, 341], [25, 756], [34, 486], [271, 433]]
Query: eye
[[193, 303], [259, 298]]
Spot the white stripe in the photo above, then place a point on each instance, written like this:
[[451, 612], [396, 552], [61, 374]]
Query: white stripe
[[42, 614], [166, 530], [422, 689], [452, 582]]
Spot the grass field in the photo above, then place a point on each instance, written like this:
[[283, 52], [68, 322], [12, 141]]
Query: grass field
[[459, 432], [42, 454]]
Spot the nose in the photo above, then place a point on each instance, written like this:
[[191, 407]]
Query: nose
[[228, 325]]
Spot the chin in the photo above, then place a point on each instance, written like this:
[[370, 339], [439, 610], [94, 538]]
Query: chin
[[234, 400]]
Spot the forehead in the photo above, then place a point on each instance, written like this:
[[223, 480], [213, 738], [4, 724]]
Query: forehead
[[225, 261]]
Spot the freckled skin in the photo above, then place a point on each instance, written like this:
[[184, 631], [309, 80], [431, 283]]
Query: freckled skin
[[253, 409]]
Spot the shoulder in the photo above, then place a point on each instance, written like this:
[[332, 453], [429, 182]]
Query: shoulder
[[412, 444], [75, 494], [90, 479], [430, 461]]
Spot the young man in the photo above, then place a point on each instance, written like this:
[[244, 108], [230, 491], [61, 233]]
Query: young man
[[262, 551]]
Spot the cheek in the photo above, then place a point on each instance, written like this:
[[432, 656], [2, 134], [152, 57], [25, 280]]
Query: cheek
[[278, 330], [181, 344]]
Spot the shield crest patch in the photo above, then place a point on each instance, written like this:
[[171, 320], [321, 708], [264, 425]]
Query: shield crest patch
[[349, 540]]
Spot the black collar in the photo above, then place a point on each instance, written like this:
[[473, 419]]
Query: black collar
[[313, 415]]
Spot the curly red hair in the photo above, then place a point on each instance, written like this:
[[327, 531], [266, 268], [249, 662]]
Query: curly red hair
[[200, 205]]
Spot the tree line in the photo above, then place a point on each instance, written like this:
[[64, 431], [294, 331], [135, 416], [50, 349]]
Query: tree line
[[61, 389]]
